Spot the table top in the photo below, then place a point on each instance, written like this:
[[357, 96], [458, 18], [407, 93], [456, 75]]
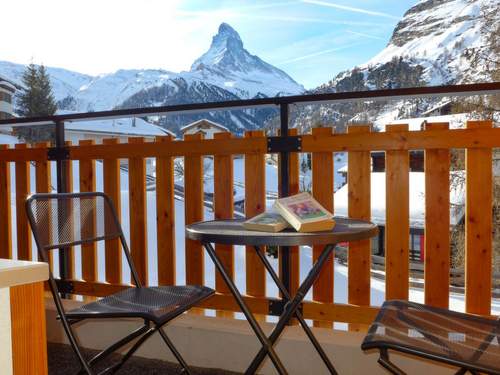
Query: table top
[[19, 272], [233, 232]]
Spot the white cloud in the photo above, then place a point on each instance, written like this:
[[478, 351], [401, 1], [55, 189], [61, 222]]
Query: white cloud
[[350, 9]]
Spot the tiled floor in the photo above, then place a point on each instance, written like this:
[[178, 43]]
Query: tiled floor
[[62, 361]]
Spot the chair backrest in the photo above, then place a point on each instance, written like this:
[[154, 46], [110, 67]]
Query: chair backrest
[[59, 221]]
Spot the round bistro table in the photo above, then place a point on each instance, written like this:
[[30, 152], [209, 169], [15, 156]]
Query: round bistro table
[[232, 232]]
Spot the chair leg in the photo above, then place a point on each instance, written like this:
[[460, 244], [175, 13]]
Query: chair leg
[[387, 364], [174, 351]]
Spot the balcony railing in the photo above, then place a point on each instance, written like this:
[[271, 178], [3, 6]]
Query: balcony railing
[[477, 138]]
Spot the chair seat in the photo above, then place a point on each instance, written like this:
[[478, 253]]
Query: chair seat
[[156, 304], [436, 333]]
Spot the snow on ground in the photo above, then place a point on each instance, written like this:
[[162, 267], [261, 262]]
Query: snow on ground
[[8, 139]]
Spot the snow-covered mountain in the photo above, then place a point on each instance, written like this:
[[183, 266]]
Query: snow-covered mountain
[[227, 68], [436, 42]]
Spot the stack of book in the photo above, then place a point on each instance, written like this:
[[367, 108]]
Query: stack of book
[[301, 212]]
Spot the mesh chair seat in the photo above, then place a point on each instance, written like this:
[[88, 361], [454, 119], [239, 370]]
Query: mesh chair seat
[[436, 333], [157, 304]]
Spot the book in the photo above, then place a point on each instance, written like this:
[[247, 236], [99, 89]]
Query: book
[[266, 222], [304, 213]]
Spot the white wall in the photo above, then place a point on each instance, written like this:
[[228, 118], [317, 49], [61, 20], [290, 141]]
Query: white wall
[[5, 332]]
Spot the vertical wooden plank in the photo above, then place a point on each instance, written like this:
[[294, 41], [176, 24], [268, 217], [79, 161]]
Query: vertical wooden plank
[[89, 251], [44, 184], [359, 207], [193, 192], [255, 203], [397, 233], [111, 187], [165, 216], [322, 189], [478, 226], [137, 213], [293, 188], [437, 223], [22, 192], [29, 342], [68, 166], [223, 209], [5, 209]]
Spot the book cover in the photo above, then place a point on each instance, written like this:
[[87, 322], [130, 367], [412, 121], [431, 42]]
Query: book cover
[[266, 222]]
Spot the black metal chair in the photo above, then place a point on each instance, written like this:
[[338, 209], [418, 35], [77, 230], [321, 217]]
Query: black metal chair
[[469, 342], [59, 221]]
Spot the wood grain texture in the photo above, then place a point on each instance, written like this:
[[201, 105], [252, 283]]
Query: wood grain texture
[[137, 214], [322, 191], [5, 209], [359, 207], [397, 233], [29, 343], [193, 191], [437, 224], [165, 215], [223, 209], [111, 187], [22, 191], [478, 226], [255, 203], [88, 251], [44, 185]]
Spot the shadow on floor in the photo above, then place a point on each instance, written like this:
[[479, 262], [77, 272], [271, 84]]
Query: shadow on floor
[[62, 361]]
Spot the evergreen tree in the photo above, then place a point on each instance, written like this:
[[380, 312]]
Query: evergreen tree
[[36, 99]]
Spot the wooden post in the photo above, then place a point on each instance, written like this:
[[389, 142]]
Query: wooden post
[[111, 187], [478, 226], [22, 192], [437, 224], [165, 216], [255, 203], [397, 221], [193, 192], [5, 210], [70, 251], [137, 213], [359, 206], [88, 251]]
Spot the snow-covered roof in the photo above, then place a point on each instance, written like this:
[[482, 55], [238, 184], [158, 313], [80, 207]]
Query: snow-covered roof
[[8, 83], [202, 122], [126, 126], [416, 199], [438, 106], [8, 139], [456, 121]]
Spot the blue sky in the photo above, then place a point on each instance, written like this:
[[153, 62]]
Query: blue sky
[[312, 40]]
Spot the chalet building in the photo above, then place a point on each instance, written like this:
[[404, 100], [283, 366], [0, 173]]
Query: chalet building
[[206, 127], [7, 91]]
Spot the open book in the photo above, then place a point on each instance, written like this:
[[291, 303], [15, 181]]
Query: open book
[[301, 211]]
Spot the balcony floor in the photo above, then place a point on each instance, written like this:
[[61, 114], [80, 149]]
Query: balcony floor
[[62, 361]]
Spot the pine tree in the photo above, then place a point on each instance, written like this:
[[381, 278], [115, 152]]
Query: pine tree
[[36, 99]]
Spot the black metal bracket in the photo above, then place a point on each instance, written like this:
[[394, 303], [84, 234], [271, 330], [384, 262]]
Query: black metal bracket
[[276, 307], [291, 143], [65, 287], [58, 153]]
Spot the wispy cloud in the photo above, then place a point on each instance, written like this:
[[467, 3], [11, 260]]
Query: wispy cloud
[[307, 20], [365, 35], [315, 54], [350, 9]]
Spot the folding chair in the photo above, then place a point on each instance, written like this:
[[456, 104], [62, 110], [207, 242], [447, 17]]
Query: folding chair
[[469, 342], [59, 221]]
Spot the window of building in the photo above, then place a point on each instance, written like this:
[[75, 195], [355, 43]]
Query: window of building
[[4, 97]]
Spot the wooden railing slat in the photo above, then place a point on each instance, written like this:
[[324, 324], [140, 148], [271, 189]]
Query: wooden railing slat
[[70, 251], [478, 226], [5, 209], [322, 189], [137, 213], [437, 224], [22, 191], [193, 198], [165, 216], [44, 185], [88, 251], [223, 209], [359, 207], [111, 187], [397, 232], [255, 203]]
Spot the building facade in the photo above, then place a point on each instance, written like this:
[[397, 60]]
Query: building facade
[[7, 91], [205, 127]]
